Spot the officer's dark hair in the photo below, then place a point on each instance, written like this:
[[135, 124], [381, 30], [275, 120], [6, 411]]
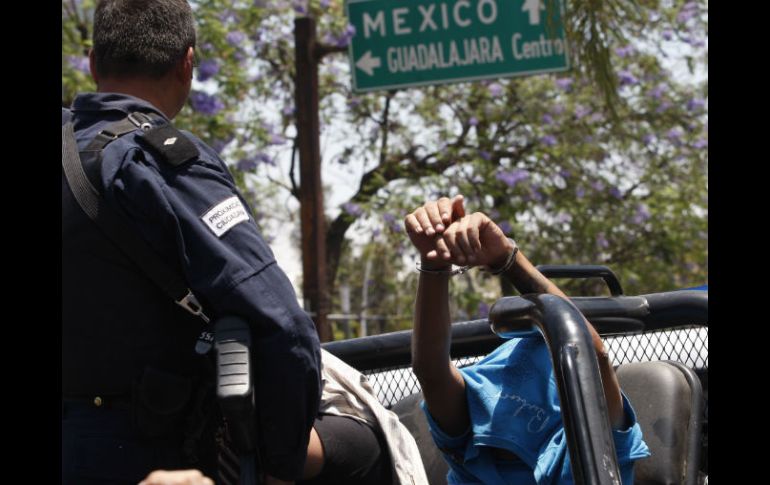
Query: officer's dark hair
[[141, 37]]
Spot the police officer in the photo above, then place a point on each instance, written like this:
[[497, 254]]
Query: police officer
[[134, 391]]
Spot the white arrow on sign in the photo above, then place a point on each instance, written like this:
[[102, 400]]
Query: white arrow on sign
[[534, 7], [367, 63]]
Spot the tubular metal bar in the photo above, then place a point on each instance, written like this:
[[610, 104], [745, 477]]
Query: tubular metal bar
[[583, 404]]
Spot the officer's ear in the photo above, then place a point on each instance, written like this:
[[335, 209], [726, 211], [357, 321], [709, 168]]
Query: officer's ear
[[92, 65], [184, 70]]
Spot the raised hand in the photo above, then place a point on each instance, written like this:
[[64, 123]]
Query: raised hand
[[444, 235], [426, 223], [476, 240]]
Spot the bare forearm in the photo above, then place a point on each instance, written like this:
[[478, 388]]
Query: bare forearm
[[432, 331], [442, 385], [527, 279]]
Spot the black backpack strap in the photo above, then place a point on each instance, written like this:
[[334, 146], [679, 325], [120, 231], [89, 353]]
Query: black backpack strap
[[121, 235], [91, 156]]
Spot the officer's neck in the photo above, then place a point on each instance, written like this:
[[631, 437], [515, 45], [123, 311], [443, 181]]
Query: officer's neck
[[158, 93]]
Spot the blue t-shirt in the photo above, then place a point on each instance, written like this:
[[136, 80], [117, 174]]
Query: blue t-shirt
[[513, 404]]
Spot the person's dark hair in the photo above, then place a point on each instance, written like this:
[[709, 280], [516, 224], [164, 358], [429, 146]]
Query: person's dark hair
[[141, 37]]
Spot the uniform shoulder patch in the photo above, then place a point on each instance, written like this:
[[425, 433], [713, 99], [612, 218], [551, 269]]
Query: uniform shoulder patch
[[225, 215], [170, 144]]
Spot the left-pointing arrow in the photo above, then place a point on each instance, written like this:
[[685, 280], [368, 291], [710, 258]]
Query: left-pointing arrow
[[367, 63]]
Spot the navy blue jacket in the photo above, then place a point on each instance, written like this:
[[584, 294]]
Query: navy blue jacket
[[187, 213]]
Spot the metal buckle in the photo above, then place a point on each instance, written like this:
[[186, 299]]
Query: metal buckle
[[144, 125], [191, 304]]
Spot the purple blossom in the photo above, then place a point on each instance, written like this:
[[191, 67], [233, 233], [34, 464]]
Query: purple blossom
[[627, 79], [648, 138], [565, 173], [547, 119], [300, 7], [352, 209], [674, 134], [205, 103], [485, 155], [79, 63], [582, 111], [513, 177], [657, 91], [563, 218], [596, 118], [505, 226], [240, 56], [588, 139], [663, 107], [558, 109], [482, 310], [228, 16], [696, 104], [615, 192], [684, 16], [495, 89], [324, 3], [288, 110], [344, 39], [354, 102], [266, 159], [641, 215], [564, 83], [207, 69], [535, 194], [624, 51], [494, 214], [598, 185], [277, 139], [389, 218], [701, 143], [376, 232], [668, 35], [473, 121], [248, 164], [235, 38], [548, 140], [688, 11], [601, 241], [580, 192]]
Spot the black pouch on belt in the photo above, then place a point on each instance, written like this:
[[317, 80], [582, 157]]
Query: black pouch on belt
[[160, 402]]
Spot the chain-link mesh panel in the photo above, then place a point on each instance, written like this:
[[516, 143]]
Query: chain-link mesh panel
[[688, 346]]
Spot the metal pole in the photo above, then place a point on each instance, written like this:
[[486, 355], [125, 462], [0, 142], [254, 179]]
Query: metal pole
[[365, 298], [314, 285], [345, 303]]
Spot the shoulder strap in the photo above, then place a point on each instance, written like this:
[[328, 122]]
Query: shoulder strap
[[118, 232]]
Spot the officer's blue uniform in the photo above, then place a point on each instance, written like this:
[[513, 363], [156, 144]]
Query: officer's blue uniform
[[187, 213]]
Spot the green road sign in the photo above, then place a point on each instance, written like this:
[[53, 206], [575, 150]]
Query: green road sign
[[401, 43]]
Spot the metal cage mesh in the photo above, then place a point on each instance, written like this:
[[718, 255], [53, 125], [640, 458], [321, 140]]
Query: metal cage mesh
[[686, 345]]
